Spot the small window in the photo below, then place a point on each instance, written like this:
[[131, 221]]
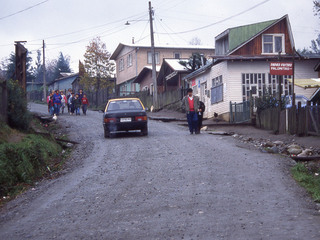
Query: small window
[[121, 64], [176, 55], [217, 90], [129, 60], [272, 43], [150, 58]]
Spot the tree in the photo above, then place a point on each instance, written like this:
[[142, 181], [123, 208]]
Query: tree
[[195, 41], [195, 62], [304, 51], [62, 65], [316, 7], [9, 67], [38, 70], [315, 45], [98, 67]]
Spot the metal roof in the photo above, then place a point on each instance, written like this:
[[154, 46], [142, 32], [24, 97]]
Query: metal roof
[[239, 36], [175, 64], [142, 73], [307, 83]]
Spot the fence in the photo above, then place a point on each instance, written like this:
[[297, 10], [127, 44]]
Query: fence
[[164, 99], [100, 98], [301, 121], [240, 112], [3, 101], [272, 119], [35, 95]]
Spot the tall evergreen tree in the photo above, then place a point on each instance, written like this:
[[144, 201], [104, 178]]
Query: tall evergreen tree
[[9, 67]]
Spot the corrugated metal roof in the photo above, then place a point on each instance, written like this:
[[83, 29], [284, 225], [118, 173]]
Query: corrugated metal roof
[[176, 65], [239, 35], [307, 83]]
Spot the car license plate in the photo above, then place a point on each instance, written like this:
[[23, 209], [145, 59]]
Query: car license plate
[[125, 119]]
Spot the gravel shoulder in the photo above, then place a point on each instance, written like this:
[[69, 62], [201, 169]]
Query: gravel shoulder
[[169, 185]]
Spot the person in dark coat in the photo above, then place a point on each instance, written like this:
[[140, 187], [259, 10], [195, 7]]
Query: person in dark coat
[[202, 108], [77, 104], [190, 104]]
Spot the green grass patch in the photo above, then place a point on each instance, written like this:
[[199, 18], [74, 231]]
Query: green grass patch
[[23, 162], [309, 179]]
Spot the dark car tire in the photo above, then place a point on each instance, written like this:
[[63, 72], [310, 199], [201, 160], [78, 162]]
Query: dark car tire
[[144, 131], [106, 134]]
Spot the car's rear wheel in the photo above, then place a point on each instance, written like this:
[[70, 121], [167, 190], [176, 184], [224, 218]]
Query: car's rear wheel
[[106, 134], [144, 131]]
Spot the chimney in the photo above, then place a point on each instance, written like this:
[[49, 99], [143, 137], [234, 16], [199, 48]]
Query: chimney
[[132, 40]]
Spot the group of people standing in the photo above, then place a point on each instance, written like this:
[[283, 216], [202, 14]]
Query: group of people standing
[[194, 109], [57, 101]]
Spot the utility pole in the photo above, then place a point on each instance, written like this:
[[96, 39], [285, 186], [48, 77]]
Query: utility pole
[[20, 64], [292, 84], [154, 72], [44, 74]]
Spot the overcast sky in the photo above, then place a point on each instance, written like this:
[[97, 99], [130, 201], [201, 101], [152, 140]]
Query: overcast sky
[[69, 25]]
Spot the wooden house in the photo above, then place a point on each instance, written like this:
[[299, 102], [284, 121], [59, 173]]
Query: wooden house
[[241, 65]]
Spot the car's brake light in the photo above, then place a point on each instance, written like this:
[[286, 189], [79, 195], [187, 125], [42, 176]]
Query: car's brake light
[[141, 118], [110, 120]]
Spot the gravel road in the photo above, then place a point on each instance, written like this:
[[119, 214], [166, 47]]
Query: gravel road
[[168, 185]]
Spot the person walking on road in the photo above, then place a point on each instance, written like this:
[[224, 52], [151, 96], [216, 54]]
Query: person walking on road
[[70, 103], [202, 108], [190, 104], [63, 102], [77, 104], [57, 102], [85, 104]]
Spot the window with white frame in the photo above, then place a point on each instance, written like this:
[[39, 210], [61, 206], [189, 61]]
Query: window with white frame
[[121, 64], [217, 90], [150, 58], [273, 43], [129, 60], [259, 84]]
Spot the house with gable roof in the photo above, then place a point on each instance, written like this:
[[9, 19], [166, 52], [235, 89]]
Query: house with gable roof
[[133, 59], [241, 66]]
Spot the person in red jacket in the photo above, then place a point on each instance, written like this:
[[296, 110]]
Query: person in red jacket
[[85, 104]]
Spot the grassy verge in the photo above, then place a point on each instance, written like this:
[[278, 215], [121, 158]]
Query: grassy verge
[[308, 178], [25, 158]]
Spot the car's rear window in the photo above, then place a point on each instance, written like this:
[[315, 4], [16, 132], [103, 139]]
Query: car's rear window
[[124, 105]]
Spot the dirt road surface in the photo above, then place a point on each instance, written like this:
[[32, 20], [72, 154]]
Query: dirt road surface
[[168, 185]]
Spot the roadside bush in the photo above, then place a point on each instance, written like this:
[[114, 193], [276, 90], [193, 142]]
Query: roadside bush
[[269, 101], [24, 161], [18, 115], [310, 180]]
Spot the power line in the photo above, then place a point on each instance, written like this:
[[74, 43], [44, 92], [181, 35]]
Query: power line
[[215, 23], [23, 10], [138, 16]]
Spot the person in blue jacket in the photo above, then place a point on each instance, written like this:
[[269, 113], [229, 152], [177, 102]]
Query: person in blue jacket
[[57, 102]]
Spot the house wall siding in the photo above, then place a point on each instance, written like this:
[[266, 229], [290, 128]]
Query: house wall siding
[[254, 47], [220, 107], [232, 81], [140, 59]]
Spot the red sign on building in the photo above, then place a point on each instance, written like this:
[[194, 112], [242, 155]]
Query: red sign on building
[[281, 68]]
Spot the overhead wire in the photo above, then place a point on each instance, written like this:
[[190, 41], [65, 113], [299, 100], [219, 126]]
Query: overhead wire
[[139, 16], [23, 10], [221, 21], [162, 23]]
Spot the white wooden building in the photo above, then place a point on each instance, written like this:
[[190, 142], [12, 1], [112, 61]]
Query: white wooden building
[[242, 66]]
